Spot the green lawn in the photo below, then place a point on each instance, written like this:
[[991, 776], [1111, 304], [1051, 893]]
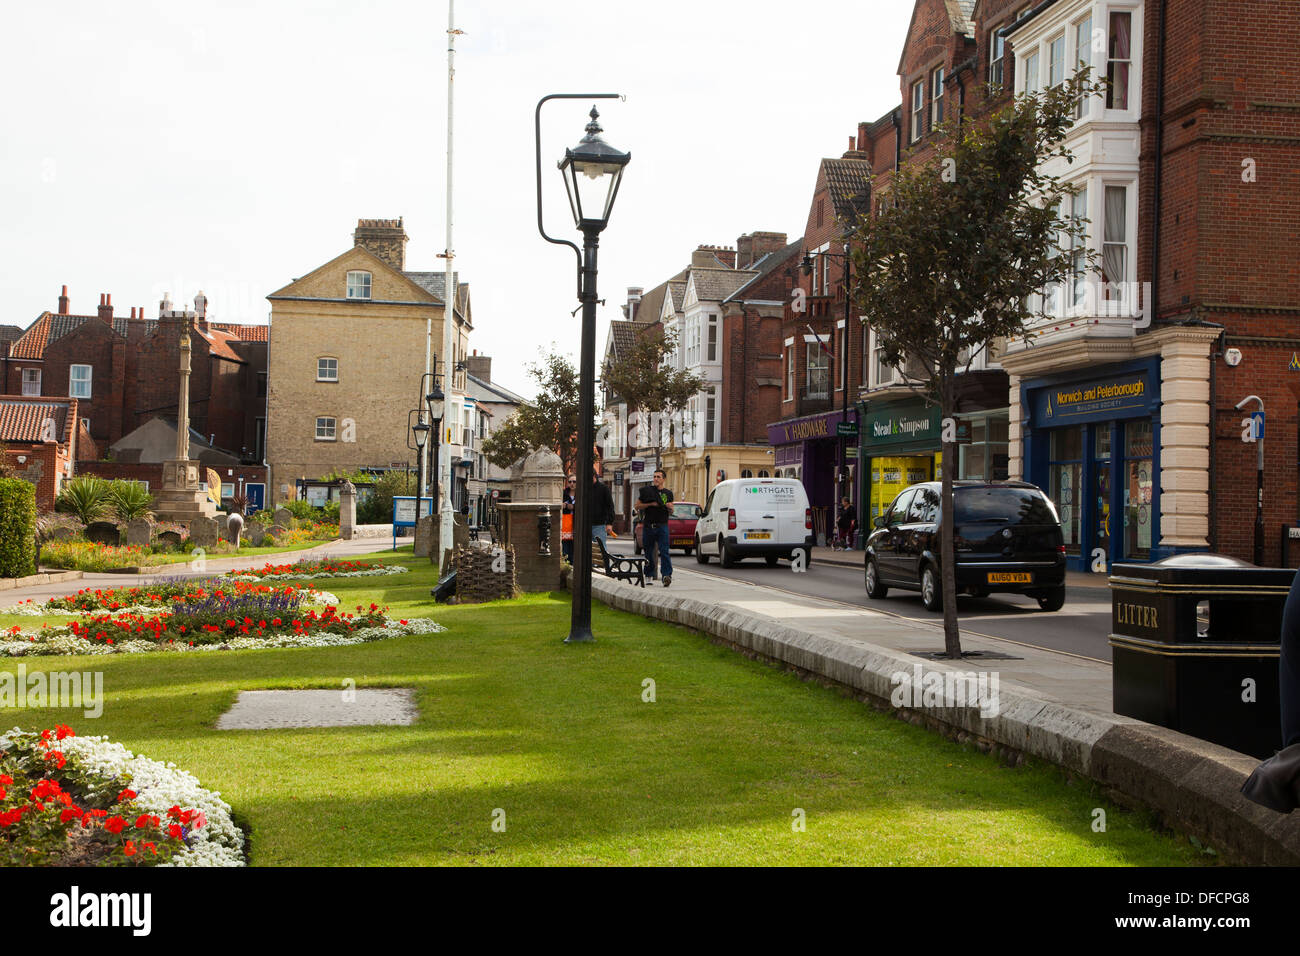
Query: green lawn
[[558, 738]]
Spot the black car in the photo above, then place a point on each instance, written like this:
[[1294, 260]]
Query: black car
[[1007, 538]]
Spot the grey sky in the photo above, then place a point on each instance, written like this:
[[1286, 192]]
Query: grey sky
[[231, 146]]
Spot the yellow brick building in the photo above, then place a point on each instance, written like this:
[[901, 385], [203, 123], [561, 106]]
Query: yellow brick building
[[347, 352]]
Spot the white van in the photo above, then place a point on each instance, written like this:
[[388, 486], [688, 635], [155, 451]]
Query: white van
[[755, 517]]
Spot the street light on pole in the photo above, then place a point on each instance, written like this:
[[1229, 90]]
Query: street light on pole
[[592, 171], [1256, 434], [436, 403], [420, 431]]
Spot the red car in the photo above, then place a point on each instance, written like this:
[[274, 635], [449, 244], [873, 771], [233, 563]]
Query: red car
[[681, 527]]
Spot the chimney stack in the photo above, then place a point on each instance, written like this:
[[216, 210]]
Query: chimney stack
[[713, 257], [63, 302], [755, 245], [480, 366], [106, 308], [385, 238]]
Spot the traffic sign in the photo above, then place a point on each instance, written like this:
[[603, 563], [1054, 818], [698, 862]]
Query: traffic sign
[[847, 429]]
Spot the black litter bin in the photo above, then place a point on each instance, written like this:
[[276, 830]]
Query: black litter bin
[[1195, 641]]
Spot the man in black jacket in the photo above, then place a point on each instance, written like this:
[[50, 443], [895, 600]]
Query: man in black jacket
[[602, 511]]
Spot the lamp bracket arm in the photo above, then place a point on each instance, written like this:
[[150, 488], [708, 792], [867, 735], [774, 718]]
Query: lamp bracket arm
[[537, 130]]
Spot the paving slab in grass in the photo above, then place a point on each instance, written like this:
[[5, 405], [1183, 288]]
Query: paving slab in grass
[[274, 709]]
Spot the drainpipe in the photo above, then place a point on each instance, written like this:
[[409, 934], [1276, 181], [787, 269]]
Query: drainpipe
[[1156, 177]]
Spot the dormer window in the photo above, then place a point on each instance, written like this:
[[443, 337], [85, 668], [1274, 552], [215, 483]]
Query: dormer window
[[358, 285]]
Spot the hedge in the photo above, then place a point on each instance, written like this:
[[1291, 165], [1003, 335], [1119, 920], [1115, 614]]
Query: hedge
[[17, 528]]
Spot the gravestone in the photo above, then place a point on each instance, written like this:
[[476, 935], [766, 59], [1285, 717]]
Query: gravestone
[[139, 533], [64, 533], [170, 539], [256, 533], [275, 532], [284, 517], [425, 533], [204, 532], [103, 532]]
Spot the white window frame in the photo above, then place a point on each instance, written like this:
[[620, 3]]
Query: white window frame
[[866, 353], [936, 96], [356, 284], [1056, 60], [1134, 24], [326, 432], [1081, 32], [74, 381], [712, 351], [710, 418], [320, 369], [816, 349], [918, 110], [31, 384], [878, 379], [843, 336], [1078, 246], [789, 369], [998, 62], [1122, 297], [1033, 75]]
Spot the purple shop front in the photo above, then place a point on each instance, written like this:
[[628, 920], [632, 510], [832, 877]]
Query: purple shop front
[[808, 448]]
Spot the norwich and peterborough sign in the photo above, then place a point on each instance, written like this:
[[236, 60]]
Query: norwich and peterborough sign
[[1119, 396]]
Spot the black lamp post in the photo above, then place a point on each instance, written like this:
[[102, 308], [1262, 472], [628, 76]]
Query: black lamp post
[[592, 172], [807, 267], [420, 431]]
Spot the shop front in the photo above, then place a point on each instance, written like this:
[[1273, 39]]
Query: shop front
[[899, 446], [1091, 441], [808, 448]]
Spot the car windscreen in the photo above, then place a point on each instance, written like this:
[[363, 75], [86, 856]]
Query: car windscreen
[[1007, 505], [683, 510]]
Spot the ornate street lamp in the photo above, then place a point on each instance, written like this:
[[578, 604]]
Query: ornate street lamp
[[437, 404], [592, 171], [420, 432]]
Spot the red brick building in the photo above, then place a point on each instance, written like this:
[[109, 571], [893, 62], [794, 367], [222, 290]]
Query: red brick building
[[41, 437], [123, 371]]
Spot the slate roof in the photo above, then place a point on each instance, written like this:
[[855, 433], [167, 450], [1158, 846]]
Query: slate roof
[[766, 266], [714, 285], [10, 333], [846, 180], [21, 418], [505, 395]]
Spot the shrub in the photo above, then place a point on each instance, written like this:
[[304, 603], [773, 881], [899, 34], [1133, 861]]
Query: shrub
[[301, 509], [88, 556], [85, 496], [129, 500], [378, 506], [17, 528]]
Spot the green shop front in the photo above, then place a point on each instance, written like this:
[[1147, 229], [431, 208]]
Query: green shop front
[[899, 445], [1091, 441]]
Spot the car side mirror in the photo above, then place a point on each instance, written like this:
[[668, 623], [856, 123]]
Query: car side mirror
[[699, 512], [878, 521]]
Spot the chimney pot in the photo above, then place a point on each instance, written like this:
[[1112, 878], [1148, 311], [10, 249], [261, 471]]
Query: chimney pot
[[63, 301]]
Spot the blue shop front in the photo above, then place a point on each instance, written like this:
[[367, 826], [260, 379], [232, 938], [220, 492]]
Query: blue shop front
[[1092, 442]]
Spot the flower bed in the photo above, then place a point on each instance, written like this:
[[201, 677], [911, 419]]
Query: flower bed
[[84, 801], [310, 570], [89, 556], [163, 594]]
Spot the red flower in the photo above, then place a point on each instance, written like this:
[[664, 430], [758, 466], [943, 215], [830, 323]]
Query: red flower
[[127, 794], [174, 831], [129, 849], [63, 730], [114, 824], [6, 779]]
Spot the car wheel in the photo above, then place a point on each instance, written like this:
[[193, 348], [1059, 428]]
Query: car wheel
[[725, 557], [875, 590], [771, 560], [687, 551], [931, 591], [700, 556], [1053, 600]]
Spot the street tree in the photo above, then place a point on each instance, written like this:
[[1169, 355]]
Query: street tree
[[550, 420], [651, 387], [961, 245]]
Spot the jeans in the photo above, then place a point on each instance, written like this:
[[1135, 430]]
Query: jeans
[[598, 533], [654, 537]]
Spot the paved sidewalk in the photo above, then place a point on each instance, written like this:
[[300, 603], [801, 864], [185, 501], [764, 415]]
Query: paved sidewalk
[[1050, 704], [337, 548]]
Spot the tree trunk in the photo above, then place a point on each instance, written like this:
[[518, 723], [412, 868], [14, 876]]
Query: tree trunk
[[947, 551]]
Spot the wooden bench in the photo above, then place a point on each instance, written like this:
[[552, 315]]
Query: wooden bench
[[617, 566]]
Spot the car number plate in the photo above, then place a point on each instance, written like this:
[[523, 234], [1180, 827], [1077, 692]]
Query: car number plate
[[683, 541], [757, 535], [1010, 577]]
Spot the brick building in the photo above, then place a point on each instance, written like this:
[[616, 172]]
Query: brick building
[[40, 438], [347, 356], [123, 372]]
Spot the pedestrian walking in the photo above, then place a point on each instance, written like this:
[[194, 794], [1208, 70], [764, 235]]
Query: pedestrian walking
[[847, 524], [566, 518], [655, 504], [602, 511]]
